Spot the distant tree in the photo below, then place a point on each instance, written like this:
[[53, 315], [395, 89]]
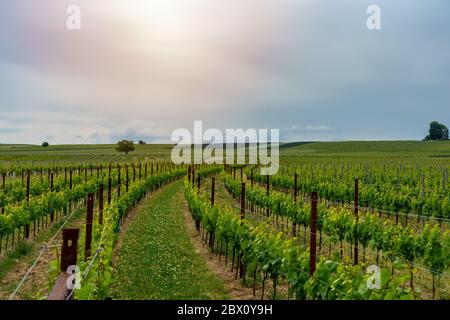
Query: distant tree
[[437, 132], [125, 146], [45, 144], [141, 142]]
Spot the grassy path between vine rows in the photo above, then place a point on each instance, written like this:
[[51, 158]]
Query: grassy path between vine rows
[[156, 259]]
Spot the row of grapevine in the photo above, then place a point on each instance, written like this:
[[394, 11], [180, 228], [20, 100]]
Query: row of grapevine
[[431, 247], [262, 252], [381, 194]]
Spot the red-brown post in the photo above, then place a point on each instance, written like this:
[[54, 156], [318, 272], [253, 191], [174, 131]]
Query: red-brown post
[[68, 258], [100, 205], [70, 186], [52, 214], [312, 245], [109, 190], [356, 216], [69, 248], [251, 184], [241, 265], [145, 171], [294, 224], [126, 178], [118, 182], [27, 227], [242, 200], [89, 217], [267, 190], [213, 186], [28, 186]]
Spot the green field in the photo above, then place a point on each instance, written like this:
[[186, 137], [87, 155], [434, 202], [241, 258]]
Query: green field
[[404, 192], [80, 153], [288, 151], [358, 149]]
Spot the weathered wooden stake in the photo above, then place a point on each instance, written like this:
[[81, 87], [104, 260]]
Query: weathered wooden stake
[[294, 224], [68, 258], [109, 190], [89, 217], [356, 204], [213, 183], [242, 200], [267, 192], [312, 244], [100, 205], [27, 227]]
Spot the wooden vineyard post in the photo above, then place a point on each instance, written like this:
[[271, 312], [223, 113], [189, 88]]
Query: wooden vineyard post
[[242, 200], [70, 186], [100, 204], [27, 227], [356, 216], [134, 173], [234, 173], [294, 225], [423, 193], [212, 233], [193, 176], [198, 183], [241, 265], [213, 183], [109, 190], [118, 182], [69, 252], [69, 248], [140, 170], [145, 171], [312, 243], [52, 213], [189, 174], [267, 192], [3, 187], [251, 184], [242, 175], [89, 217], [126, 178]]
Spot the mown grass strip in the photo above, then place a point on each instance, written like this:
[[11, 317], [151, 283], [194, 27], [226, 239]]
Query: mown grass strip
[[157, 259]]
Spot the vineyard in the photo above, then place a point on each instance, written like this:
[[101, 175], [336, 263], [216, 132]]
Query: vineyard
[[319, 229]]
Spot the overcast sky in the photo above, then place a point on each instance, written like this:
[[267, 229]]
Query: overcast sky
[[142, 68]]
